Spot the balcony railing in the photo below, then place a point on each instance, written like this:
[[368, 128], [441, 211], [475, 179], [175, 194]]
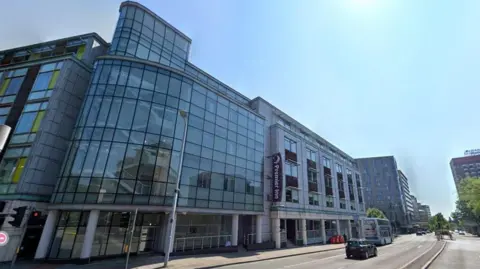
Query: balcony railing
[[291, 181], [290, 156], [313, 186]]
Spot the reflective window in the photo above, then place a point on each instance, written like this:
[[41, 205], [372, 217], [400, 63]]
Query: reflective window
[[129, 137]]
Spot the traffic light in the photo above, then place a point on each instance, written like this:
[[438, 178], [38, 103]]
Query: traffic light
[[125, 219], [18, 216], [36, 219]]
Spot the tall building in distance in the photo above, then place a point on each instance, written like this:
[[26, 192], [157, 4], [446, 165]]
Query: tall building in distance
[[407, 198], [424, 214], [383, 189], [415, 209], [466, 166], [41, 92], [102, 130]]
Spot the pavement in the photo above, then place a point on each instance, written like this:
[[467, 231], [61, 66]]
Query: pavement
[[404, 250], [462, 253]]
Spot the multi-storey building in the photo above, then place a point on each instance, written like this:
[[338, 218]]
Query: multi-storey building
[[424, 214], [407, 198], [322, 191], [415, 209], [41, 92], [124, 122], [383, 188], [466, 166]]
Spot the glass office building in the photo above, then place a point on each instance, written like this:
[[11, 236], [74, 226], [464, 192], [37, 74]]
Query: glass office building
[[41, 91], [126, 151]]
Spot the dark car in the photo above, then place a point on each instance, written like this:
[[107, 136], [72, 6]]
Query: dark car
[[419, 233], [360, 248]]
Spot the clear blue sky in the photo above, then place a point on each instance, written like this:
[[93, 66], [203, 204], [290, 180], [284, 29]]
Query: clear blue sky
[[373, 77]]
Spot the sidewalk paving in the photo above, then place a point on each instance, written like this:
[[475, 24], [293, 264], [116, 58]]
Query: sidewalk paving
[[189, 262], [193, 262]]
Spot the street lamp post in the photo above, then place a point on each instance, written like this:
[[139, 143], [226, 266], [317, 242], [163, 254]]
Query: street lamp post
[[173, 214]]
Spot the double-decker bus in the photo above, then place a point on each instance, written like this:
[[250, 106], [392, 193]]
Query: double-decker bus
[[378, 231]]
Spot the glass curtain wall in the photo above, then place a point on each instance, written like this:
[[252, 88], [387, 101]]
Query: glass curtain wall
[[110, 239], [128, 139]]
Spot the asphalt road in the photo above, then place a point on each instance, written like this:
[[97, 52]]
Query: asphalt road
[[396, 256], [462, 253]]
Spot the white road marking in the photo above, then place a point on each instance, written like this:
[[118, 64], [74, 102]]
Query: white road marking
[[419, 246], [316, 260]]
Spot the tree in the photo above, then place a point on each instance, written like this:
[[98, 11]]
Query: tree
[[438, 222], [375, 213], [470, 194]]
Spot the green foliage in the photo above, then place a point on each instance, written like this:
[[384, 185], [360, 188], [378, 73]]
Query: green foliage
[[438, 222], [470, 194], [468, 206], [375, 213]]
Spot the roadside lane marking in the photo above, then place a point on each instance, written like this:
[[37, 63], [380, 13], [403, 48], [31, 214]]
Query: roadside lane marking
[[303, 263], [418, 257], [326, 258], [434, 257]]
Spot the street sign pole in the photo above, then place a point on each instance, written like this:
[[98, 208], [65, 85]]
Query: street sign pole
[[25, 225]]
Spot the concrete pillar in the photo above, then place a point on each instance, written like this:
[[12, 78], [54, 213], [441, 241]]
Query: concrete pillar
[[234, 230], [47, 234], [276, 232], [258, 232], [324, 234], [360, 229], [349, 225], [89, 234], [304, 231], [338, 227]]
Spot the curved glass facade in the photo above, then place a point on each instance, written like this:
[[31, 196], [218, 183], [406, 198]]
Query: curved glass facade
[[128, 139], [144, 36]]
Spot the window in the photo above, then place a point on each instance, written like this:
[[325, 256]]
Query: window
[[291, 169], [326, 162], [13, 81], [312, 176], [311, 155], [343, 205], [338, 168], [292, 195], [290, 145], [46, 80], [329, 202], [313, 199]]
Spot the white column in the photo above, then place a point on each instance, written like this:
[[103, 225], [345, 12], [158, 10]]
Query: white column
[[338, 227], [89, 234], [304, 231], [47, 234], [258, 232], [234, 230], [276, 232], [324, 234], [349, 229]]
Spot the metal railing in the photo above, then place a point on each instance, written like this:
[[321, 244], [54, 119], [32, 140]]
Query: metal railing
[[252, 238], [283, 237], [200, 242]]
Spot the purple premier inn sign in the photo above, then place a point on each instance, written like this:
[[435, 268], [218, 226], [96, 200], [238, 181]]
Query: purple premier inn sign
[[277, 183]]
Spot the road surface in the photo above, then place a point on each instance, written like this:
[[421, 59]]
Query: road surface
[[396, 256], [462, 253]]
